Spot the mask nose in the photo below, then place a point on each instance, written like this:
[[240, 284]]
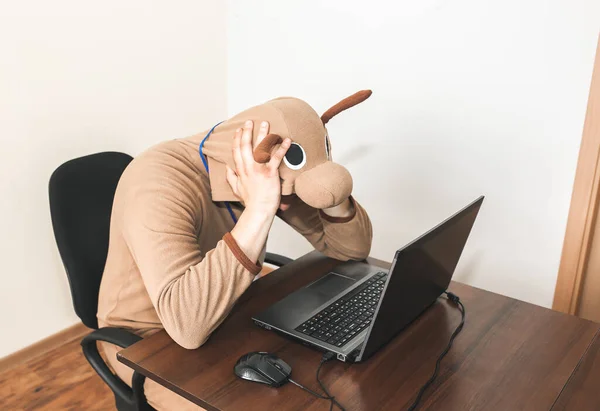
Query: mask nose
[[324, 186]]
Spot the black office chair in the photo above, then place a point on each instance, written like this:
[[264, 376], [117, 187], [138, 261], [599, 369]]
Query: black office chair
[[81, 197]]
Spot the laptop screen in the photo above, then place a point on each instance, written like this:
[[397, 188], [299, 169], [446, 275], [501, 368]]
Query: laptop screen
[[420, 273]]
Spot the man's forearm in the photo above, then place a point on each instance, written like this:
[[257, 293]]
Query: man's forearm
[[251, 231]]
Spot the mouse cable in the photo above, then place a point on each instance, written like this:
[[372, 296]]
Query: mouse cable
[[326, 357], [308, 390], [454, 298]]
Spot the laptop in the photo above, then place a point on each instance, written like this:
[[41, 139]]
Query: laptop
[[357, 308]]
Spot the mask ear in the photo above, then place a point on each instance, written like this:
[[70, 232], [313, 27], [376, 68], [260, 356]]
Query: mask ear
[[262, 153], [345, 104]]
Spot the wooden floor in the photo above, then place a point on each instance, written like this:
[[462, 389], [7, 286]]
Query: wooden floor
[[59, 380]]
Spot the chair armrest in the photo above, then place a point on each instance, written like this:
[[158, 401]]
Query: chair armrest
[[276, 259], [117, 336], [122, 338]]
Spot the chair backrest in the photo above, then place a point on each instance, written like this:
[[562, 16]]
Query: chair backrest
[[81, 197]]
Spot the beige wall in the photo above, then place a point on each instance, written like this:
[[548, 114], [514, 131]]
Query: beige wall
[[76, 78]]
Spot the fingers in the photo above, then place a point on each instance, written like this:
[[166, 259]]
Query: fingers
[[246, 145], [277, 157], [232, 179], [243, 152], [237, 155], [262, 133]]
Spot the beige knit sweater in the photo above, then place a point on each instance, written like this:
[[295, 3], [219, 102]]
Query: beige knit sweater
[[172, 263]]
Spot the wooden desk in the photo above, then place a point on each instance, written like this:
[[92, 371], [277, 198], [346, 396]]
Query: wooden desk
[[510, 356], [582, 391]]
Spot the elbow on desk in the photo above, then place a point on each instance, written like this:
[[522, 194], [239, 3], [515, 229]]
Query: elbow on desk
[[362, 253], [356, 248], [183, 327], [348, 255], [188, 340]]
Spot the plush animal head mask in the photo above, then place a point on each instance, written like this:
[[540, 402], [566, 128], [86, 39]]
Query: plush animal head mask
[[307, 169]]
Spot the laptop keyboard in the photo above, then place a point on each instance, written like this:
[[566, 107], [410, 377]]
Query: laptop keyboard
[[341, 321]]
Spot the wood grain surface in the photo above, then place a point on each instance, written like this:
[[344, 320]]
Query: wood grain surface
[[582, 391], [511, 355], [60, 379]]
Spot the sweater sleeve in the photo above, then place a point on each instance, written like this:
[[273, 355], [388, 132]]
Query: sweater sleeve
[[191, 289], [340, 238]]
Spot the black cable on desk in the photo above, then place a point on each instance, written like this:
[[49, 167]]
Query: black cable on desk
[[308, 390], [326, 357], [454, 298]]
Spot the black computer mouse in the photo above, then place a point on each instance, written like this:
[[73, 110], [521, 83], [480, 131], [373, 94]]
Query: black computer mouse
[[264, 368]]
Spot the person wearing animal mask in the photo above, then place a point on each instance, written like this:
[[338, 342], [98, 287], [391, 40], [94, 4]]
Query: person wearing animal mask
[[191, 217]]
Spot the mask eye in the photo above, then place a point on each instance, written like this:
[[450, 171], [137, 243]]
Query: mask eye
[[295, 158], [327, 147]]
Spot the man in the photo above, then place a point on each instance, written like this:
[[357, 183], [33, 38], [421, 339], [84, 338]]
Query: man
[[178, 260]]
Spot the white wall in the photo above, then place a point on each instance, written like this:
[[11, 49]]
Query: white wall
[[469, 97], [81, 77]]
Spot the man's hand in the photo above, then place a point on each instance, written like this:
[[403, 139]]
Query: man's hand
[[345, 209], [257, 184]]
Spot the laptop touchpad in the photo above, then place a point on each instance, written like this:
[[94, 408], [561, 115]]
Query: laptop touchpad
[[330, 286], [294, 309]]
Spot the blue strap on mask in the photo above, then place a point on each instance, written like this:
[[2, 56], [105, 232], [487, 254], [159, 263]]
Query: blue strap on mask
[[205, 162]]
